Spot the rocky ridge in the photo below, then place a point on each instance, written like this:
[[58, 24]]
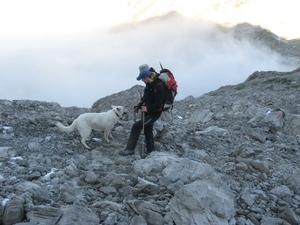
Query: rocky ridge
[[231, 157], [265, 39]]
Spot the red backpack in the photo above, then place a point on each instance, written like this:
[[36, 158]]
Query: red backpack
[[171, 84]]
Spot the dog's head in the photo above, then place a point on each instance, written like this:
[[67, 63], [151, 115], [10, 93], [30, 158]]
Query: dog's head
[[120, 111]]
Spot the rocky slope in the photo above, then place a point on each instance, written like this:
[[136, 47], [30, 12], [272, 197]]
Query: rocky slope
[[231, 157]]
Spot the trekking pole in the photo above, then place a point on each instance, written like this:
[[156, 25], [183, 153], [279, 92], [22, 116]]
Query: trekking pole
[[161, 65], [143, 132], [134, 115], [143, 120]]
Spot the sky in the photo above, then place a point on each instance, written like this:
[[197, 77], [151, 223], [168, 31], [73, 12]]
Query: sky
[[76, 52]]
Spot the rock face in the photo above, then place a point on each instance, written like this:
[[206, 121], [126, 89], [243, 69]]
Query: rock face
[[231, 157]]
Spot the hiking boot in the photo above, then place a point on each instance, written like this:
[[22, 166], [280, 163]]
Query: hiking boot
[[160, 134], [126, 152]]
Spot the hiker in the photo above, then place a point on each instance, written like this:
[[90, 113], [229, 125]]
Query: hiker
[[158, 125], [151, 104]]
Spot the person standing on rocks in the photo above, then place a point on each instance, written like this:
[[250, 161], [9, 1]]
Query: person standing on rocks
[[151, 104], [158, 125]]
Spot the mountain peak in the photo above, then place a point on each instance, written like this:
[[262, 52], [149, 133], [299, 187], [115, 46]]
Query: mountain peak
[[283, 23]]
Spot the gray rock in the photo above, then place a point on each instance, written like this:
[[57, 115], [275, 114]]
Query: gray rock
[[261, 166], [78, 215], [287, 214], [13, 212], [294, 181], [7, 152], [201, 202], [138, 220], [44, 215], [91, 177]]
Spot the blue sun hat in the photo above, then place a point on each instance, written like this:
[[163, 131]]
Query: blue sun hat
[[143, 74]]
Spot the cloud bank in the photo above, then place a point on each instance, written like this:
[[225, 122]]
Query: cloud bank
[[77, 70]]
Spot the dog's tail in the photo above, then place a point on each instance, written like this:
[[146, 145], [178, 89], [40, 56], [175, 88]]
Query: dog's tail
[[63, 128]]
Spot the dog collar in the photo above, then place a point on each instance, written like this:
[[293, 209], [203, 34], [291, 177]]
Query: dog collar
[[116, 114]]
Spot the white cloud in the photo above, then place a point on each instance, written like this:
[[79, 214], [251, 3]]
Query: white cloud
[[35, 18], [77, 70]]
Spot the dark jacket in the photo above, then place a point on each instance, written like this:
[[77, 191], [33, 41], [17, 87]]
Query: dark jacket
[[154, 98]]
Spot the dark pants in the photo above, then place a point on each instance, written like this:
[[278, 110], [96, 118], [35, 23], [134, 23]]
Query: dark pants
[[136, 131]]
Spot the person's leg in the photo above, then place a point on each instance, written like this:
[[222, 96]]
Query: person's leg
[[133, 138], [149, 139], [158, 125], [163, 128], [134, 135], [148, 130]]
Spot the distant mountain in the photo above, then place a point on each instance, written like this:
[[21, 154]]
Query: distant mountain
[[244, 19], [263, 37], [254, 34], [275, 16]]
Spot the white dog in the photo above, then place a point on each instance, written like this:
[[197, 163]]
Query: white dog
[[87, 122]]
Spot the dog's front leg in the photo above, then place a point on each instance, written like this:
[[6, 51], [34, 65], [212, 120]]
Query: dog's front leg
[[106, 133]]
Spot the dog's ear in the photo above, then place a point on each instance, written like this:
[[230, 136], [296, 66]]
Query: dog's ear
[[113, 106]]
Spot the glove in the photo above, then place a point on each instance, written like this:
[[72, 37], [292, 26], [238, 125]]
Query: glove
[[137, 107]]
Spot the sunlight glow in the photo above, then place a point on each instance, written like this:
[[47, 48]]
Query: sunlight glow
[[280, 17], [35, 18], [32, 18]]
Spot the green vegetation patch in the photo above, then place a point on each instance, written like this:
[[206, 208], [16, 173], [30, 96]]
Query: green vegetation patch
[[279, 80], [239, 87]]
